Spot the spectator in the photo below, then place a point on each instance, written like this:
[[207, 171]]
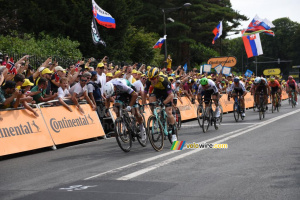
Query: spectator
[[63, 92], [79, 92], [25, 90], [42, 86], [94, 88], [128, 74], [59, 73], [109, 76], [8, 93], [101, 77], [19, 80]]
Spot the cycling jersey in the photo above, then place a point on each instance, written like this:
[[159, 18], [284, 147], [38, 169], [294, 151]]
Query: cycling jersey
[[275, 83], [122, 85], [291, 83], [240, 86], [162, 85], [211, 86]]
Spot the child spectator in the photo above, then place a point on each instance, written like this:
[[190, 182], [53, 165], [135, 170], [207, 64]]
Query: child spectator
[[42, 86], [63, 92]]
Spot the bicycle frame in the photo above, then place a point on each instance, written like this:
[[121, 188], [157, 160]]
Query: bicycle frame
[[163, 122]]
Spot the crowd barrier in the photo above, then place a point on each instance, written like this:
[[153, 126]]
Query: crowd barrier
[[21, 131]]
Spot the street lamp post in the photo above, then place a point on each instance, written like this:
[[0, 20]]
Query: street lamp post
[[167, 10]]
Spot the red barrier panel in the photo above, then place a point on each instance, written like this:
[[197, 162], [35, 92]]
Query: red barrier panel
[[66, 126], [21, 131]]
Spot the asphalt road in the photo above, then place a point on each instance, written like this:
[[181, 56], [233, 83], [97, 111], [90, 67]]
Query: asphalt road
[[262, 161]]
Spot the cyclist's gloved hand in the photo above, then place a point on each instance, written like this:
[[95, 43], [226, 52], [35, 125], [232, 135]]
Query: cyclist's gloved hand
[[128, 108]]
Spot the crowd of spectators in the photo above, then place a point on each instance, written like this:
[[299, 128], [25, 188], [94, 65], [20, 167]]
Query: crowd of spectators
[[80, 81]]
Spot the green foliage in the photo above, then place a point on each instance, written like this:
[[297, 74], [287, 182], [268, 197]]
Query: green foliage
[[43, 46], [71, 19]]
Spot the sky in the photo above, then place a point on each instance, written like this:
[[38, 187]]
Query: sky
[[270, 9]]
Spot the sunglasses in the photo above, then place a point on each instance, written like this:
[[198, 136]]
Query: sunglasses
[[144, 78], [152, 79], [83, 80]]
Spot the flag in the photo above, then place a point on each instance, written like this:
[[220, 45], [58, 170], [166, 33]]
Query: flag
[[102, 17], [76, 66], [56, 77], [11, 66], [248, 73], [259, 25], [95, 34], [252, 45], [160, 42], [185, 67], [217, 32]]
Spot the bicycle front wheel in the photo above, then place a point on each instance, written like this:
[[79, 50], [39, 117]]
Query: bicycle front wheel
[[138, 135], [155, 133], [236, 112], [206, 120], [200, 115], [123, 136]]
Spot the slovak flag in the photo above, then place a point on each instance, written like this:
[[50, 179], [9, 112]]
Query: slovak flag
[[11, 66], [258, 25], [102, 17], [76, 66], [252, 45], [217, 32], [160, 42]]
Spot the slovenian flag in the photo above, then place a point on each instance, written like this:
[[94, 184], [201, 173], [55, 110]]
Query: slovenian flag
[[252, 45], [259, 25], [217, 32], [103, 17], [160, 42]]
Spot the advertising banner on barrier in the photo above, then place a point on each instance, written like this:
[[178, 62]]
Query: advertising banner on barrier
[[187, 110], [21, 131], [66, 126]]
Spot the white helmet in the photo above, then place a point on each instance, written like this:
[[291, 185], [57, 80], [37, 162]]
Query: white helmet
[[108, 89], [198, 81], [257, 80]]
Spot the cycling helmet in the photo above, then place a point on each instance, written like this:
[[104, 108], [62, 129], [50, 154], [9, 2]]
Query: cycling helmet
[[272, 79], [108, 89], [236, 79], [290, 77], [153, 72], [198, 81], [257, 80], [204, 81]]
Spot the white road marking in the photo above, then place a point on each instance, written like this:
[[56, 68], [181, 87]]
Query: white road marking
[[160, 156], [222, 124], [184, 155]]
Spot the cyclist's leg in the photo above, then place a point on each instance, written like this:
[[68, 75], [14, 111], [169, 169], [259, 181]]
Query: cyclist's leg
[[215, 98], [152, 98], [242, 101]]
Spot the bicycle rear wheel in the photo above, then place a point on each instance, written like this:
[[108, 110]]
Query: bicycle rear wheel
[[206, 120], [155, 133], [123, 136], [236, 111], [200, 116]]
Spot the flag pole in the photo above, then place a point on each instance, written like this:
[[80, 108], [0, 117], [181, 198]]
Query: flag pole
[[256, 64]]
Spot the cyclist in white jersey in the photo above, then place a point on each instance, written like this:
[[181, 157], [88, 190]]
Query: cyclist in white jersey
[[209, 89], [125, 93], [238, 88]]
